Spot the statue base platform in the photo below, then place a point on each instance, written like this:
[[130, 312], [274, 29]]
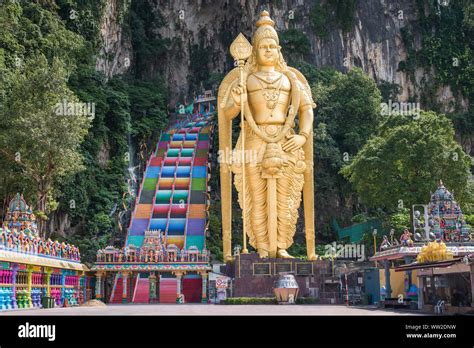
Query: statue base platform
[[255, 277]]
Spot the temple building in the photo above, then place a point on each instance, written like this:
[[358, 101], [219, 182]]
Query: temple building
[[35, 272]]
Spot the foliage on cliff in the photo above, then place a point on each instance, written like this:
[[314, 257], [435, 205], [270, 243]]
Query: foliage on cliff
[[325, 15], [129, 113], [446, 29]]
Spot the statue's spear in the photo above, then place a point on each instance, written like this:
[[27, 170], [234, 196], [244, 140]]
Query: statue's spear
[[241, 50]]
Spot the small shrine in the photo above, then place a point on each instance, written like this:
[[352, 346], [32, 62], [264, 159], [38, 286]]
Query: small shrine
[[20, 217], [153, 247], [443, 254], [445, 217]]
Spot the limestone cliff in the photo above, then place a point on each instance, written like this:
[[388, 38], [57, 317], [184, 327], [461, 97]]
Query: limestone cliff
[[115, 55], [373, 43]]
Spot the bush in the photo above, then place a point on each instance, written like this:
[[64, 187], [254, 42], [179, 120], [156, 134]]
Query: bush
[[249, 300], [307, 300], [265, 300], [469, 218]]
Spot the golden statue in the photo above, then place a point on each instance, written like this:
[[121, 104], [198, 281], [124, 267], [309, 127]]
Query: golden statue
[[278, 162]]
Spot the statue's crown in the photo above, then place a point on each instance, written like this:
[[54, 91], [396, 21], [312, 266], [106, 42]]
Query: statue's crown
[[265, 19], [265, 29]]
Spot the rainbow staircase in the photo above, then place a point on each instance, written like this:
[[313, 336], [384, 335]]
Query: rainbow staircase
[[173, 194], [172, 197]]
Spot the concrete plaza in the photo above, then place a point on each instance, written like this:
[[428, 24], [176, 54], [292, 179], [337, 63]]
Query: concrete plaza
[[210, 309]]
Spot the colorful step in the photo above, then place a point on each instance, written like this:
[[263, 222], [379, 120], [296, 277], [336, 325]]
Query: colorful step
[[141, 293], [168, 290]]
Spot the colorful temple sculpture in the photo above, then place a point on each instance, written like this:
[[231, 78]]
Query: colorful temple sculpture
[[164, 258], [35, 272], [19, 216], [442, 243], [445, 217]]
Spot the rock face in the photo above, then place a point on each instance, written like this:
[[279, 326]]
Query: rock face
[[374, 43], [115, 56]]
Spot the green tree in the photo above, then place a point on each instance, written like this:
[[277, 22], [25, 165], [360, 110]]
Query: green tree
[[28, 29], [35, 135], [347, 114], [148, 109], [406, 159], [350, 107], [400, 220]]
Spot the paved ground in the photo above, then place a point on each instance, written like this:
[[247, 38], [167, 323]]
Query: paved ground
[[206, 309]]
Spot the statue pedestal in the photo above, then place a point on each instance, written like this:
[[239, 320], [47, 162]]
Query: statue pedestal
[[255, 277]]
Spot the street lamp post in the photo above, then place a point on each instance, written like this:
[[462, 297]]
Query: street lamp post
[[347, 284], [374, 234], [333, 255], [426, 226]]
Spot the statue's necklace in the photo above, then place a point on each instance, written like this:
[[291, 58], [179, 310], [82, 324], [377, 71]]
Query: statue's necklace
[[267, 78], [270, 92]]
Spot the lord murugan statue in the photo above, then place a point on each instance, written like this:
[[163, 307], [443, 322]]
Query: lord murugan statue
[[274, 162]]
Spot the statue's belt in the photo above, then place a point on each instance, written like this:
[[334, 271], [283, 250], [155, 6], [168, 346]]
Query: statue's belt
[[271, 130]]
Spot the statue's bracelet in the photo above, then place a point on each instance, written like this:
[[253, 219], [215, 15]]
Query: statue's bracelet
[[306, 135]]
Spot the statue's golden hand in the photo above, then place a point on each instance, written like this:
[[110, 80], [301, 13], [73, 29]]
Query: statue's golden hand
[[294, 142], [239, 92]]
